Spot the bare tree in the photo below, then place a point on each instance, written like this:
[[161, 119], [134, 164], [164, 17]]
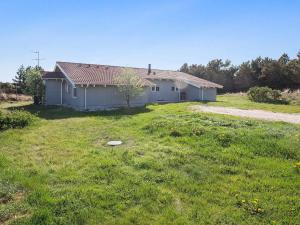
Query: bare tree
[[130, 85]]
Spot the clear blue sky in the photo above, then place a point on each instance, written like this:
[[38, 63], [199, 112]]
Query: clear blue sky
[[135, 33]]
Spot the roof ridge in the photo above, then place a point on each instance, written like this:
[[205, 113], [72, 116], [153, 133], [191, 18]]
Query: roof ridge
[[117, 66]]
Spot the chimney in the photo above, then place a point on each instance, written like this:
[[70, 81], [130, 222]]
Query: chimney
[[149, 69]]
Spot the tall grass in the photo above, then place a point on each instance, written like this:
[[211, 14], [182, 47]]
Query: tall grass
[[14, 97], [175, 167], [292, 96]]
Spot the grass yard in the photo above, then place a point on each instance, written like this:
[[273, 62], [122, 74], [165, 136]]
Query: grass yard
[[175, 167], [241, 101]]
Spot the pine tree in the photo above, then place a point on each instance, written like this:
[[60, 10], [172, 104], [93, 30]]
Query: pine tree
[[20, 78]]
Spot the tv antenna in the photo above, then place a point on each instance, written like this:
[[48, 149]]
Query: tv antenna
[[38, 59]]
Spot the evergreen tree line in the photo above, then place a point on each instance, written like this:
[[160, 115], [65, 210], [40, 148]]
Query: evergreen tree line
[[279, 73]]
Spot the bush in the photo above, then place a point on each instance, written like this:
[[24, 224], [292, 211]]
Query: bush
[[225, 139], [15, 119], [265, 94], [197, 131], [292, 97], [175, 133]]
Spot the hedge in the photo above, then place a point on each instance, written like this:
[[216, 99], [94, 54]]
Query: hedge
[[15, 119]]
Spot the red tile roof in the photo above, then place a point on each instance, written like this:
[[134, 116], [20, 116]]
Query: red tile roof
[[105, 75]]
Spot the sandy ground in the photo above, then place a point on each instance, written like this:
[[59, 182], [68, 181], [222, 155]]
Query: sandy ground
[[257, 114]]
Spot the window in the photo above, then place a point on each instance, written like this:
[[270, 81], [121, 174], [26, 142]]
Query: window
[[74, 92], [155, 88], [172, 88], [177, 89]]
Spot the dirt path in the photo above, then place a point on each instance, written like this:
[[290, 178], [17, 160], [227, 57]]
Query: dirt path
[[258, 114]]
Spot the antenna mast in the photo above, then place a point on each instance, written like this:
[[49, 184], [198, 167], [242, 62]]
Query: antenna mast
[[38, 59]]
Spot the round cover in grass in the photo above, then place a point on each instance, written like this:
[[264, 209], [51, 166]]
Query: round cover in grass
[[114, 143]]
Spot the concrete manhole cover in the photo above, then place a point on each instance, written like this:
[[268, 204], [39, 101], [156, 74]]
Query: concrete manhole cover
[[114, 143]]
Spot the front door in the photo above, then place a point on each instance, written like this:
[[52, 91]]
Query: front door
[[182, 96]]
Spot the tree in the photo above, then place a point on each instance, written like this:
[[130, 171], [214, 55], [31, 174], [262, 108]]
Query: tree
[[34, 84], [294, 73], [275, 73], [130, 85], [216, 71], [271, 75], [184, 68], [19, 79], [244, 77], [284, 59]]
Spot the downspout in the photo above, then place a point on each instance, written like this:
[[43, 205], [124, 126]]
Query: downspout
[[85, 97], [61, 91]]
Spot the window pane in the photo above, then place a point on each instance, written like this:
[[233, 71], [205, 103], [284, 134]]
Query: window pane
[[157, 88], [173, 88], [153, 88]]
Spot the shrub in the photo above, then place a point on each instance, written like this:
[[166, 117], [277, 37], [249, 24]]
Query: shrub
[[197, 131], [15, 119], [291, 96], [175, 133], [224, 139], [265, 94]]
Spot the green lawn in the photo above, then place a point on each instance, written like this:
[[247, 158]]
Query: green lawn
[[175, 167], [241, 101]]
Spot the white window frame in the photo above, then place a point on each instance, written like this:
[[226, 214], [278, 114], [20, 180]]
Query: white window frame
[[156, 88], [153, 87]]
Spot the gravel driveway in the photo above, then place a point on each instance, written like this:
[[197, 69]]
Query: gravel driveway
[[257, 114]]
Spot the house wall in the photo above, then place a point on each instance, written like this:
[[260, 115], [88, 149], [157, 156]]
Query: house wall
[[53, 92], [209, 94], [192, 93], [165, 93], [69, 99], [101, 97]]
